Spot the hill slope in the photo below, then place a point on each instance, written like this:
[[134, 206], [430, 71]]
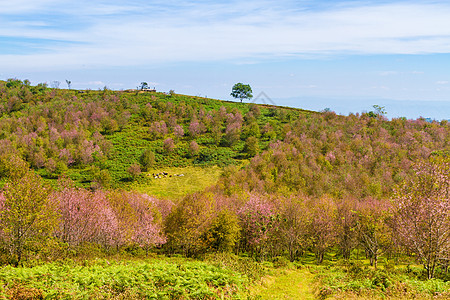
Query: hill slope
[[105, 138], [95, 136]]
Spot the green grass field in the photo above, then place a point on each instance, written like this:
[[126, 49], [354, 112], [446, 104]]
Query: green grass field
[[174, 187]]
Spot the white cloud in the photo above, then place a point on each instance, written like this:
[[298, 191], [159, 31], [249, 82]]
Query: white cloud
[[25, 6], [442, 82], [391, 73], [309, 86], [98, 82], [381, 87], [388, 73], [140, 33]]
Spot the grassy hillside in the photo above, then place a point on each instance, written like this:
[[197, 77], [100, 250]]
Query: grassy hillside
[[99, 138], [95, 136]]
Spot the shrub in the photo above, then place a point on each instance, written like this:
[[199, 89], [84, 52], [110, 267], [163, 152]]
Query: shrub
[[102, 178], [134, 170], [27, 217], [169, 145], [193, 149], [251, 146], [223, 234], [147, 159], [188, 222]]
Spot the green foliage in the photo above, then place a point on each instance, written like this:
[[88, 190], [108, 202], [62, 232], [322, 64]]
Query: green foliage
[[27, 217], [380, 110], [280, 262], [188, 222], [252, 130], [143, 86], [356, 280], [241, 91], [251, 146], [215, 156], [103, 279], [243, 265], [101, 178], [12, 167], [223, 233]]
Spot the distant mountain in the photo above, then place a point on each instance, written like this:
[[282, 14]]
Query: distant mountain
[[435, 110]]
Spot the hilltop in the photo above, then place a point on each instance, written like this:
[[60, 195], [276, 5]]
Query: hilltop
[[94, 137]]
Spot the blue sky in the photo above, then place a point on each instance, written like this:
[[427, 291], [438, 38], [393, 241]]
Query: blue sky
[[345, 55]]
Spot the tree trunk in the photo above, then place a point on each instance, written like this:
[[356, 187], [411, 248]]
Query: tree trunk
[[319, 256], [346, 252]]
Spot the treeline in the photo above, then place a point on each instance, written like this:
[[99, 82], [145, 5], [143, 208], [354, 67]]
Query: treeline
[[326, 154], [414, 221], [39, 222]]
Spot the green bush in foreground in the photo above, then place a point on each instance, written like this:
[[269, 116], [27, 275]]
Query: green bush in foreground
[[356, 280], [101, 279]]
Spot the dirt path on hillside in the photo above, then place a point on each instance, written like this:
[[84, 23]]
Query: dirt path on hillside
[[287, 284]]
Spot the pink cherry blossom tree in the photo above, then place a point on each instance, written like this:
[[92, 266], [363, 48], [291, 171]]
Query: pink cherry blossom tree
[[423, 212], [147, 221], [292, 228], [84, 216], [178, 131], [257, 218]]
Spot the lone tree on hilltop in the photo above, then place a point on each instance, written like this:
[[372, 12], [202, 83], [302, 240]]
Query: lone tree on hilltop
[[242, 91], [143, 86]]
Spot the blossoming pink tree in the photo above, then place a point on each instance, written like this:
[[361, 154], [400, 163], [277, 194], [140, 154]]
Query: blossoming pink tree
[[147, 227], [84, 216], [322, 233], [257, 221], [423, 212]]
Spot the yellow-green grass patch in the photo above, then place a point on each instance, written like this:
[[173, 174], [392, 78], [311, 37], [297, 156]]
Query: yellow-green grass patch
[[284, 284], [178, 182]]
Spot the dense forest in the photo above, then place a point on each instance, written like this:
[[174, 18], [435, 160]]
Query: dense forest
[[294, 184]]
